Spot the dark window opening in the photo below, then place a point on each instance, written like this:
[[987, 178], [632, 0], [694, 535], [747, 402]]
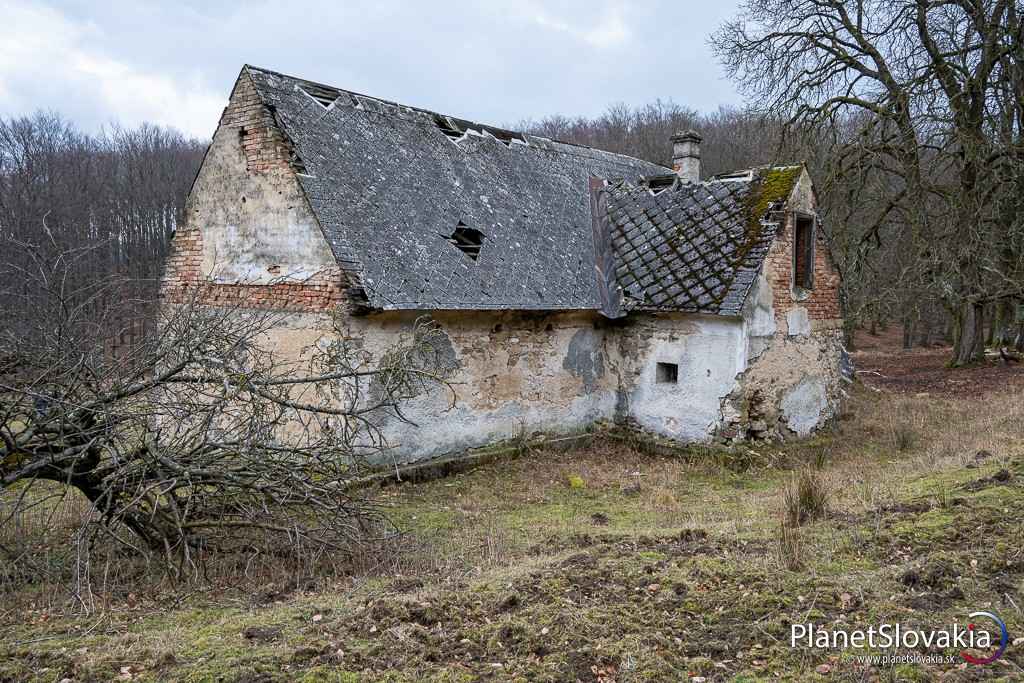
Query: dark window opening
[[667, 373], [803, 253], [467, 240]]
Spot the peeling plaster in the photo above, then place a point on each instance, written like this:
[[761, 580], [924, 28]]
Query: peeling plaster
[[584, 358], [707, 351], [797, 322], [257, 228], [759, 314], [804, 404]]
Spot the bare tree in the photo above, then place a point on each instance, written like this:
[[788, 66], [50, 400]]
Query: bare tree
[[935, 89], [123, 189], [197, 438]]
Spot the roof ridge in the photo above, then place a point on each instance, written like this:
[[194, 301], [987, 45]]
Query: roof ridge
[[482, 126]]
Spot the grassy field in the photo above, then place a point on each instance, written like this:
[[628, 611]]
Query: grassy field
[[612, 564]]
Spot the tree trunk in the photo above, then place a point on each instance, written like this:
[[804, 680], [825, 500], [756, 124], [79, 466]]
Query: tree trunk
[[927, 328], [970, 342], [849, 332], [908, 333], [1002, 323]]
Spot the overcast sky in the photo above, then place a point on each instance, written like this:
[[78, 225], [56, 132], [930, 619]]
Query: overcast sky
[[496, 62]]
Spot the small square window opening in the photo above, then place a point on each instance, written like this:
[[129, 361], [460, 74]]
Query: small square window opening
[[667, 373]]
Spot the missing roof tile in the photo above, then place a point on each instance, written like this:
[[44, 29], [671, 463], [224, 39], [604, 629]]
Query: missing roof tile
[[322, 94], [505, 137], [448, 126], [455, 128], [657, 183], [467, 240]]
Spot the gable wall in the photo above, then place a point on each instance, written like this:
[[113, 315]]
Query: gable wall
[[249, 237], [820, 307], [791, 384]]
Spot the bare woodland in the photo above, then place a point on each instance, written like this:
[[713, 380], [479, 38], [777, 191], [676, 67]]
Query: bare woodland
[[911, 114], [184, 434], [168, 419]]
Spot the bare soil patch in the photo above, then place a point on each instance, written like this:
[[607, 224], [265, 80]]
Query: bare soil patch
[[882, 363]]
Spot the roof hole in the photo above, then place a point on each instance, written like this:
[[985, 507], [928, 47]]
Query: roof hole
[[448, 126], [503, 136], [322, 94], [466, 240], [658, 183]]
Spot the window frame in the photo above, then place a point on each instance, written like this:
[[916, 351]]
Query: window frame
[[804, 288]]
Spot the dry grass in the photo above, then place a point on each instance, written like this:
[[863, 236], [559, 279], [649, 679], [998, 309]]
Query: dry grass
[[806, 497], [520, 522], [488, 518], [790, 548]]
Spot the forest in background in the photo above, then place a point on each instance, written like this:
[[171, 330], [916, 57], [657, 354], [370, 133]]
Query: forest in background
[[909, 117], [125, 189]]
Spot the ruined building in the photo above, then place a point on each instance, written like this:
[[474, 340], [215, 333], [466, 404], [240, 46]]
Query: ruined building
[[575, 286]]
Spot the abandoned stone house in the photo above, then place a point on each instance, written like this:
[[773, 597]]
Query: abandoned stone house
[[575, 286]]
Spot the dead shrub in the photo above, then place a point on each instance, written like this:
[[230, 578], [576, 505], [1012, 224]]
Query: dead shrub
[[902, 436], [790, 547], [806, 497]]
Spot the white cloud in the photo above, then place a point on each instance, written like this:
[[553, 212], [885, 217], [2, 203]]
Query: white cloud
[[48, 61], [501, 61], [609, 30]]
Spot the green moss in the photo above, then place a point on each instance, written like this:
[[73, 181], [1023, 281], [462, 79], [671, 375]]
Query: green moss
[[774, 185]]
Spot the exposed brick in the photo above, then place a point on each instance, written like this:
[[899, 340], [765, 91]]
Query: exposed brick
[[266, 151], [822, 303]]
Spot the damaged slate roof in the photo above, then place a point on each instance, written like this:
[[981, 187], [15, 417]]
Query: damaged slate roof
[[390, 187], [426, 211], [692, 247]]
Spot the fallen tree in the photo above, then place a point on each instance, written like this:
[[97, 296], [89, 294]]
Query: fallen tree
[[195, 438]]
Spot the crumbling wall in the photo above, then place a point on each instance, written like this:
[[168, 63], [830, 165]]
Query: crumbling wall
[[791, 384], [513, 374], [248, 228], [702, 355]]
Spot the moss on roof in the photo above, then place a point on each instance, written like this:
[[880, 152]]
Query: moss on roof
[[775, 184]]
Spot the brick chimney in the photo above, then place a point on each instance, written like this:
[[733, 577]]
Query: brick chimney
[[686, 156]]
